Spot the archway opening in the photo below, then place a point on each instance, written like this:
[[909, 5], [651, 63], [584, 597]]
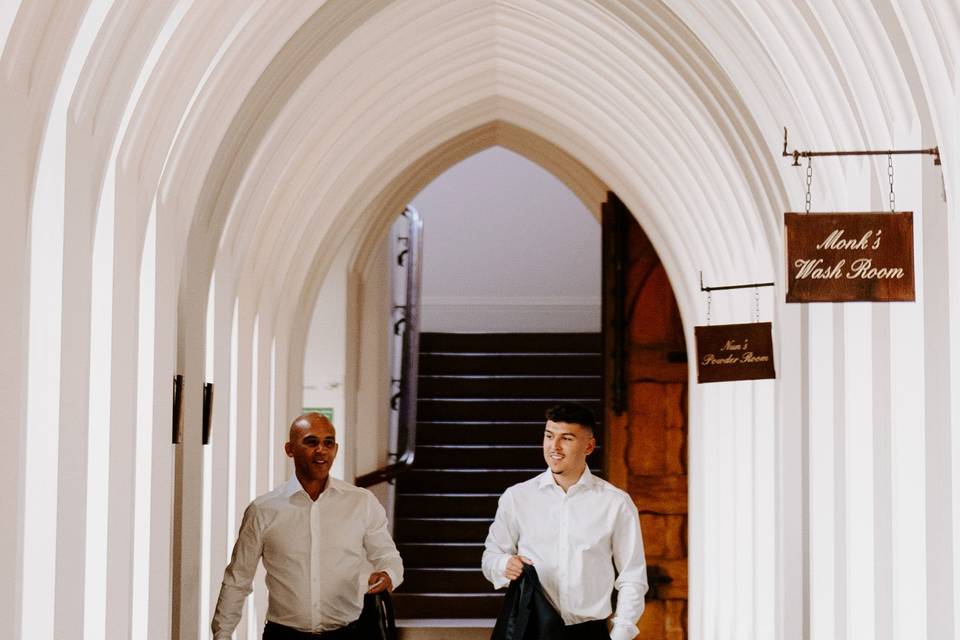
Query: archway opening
[[490, 223]]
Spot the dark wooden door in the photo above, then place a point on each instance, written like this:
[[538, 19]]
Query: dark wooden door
[[645, 402]]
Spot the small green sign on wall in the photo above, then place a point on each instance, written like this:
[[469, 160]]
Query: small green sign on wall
[[326, 412]]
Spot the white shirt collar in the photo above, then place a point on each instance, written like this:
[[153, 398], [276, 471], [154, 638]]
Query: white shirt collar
[[586, 480], [293, 486]]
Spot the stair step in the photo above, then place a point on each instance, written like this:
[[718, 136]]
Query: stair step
[[444, 580], [480, 432], [450, 629], [447, 505], [509, 364], [486, 456], [441, 529], [507, 386], [527, 409], [503, 342], [481, 417], [440, 554], [483, 456], [446, 605], [462, 480]]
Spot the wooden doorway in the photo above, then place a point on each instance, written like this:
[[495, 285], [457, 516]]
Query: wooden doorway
[[645, 406]]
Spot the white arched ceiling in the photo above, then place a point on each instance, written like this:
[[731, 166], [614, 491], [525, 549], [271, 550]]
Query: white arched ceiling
[[263, 135]]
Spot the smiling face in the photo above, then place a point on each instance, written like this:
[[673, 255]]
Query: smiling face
[[566, 447], [313, 447]]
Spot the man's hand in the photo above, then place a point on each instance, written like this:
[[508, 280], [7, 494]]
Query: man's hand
[[379, 581], [514, 567]]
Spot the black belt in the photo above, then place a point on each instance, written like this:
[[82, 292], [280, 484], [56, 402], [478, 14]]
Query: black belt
[[590, 629], [276, 631]]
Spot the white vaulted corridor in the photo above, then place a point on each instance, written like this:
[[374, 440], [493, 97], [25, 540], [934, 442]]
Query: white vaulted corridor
[[180, 178]]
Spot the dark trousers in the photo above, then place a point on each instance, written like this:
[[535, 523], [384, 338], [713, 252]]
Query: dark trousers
[[274, 631], [593, 630]]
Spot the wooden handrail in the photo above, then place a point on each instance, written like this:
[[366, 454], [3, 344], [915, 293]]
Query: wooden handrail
[[410, 356]]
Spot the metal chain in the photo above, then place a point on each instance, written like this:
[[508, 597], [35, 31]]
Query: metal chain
[[756, 304], [709, 304], [809, 180], [893, 198]]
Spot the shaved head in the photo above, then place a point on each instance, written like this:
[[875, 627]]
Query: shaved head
[[306, 422]]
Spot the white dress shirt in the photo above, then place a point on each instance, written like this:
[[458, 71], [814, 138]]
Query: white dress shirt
[[575, 540], [318, 556]]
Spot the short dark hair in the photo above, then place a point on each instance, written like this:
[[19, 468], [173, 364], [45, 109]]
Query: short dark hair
[[572, 413]]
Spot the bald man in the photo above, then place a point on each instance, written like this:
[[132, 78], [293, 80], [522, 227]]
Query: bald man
[[324, 543]]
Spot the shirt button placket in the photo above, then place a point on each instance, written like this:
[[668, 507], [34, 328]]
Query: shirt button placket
[[317, 614], [562, 560]]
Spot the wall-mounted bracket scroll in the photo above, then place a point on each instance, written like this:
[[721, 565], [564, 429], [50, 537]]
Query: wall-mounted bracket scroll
[[728, 352], [797, 154], [848, 257]]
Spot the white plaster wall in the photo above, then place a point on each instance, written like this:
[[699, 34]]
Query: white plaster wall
[[324, 358], [507, 247], [362, 421], [370, 417]]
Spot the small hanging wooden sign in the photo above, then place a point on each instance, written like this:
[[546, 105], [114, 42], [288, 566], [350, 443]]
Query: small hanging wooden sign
[[848, 257], [727, 352]]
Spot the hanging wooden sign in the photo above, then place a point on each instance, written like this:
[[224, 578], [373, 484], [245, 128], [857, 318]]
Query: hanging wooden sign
[[848, 257], [728, 352]]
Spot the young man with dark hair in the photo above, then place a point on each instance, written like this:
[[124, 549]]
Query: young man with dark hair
[[580, 532]]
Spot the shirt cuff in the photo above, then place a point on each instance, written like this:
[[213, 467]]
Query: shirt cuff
[[395, 580], [623, 632], [500, 580]]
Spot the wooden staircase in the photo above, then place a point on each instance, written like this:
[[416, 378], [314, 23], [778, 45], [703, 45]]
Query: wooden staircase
[[482, 399]]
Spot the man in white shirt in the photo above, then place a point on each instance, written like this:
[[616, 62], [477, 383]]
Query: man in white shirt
[[319, 538], [576, 529]]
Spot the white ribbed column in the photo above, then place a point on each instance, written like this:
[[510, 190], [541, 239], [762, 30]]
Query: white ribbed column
[[47, 94], [43, 377], [719, 452], [259, 406], [74, 397], [221, 444], [123, 413], [696, 487], [823, 500], [901, 564], [188, 505], [789, 591], [741, 410], [262, 433], [245, 445], [281, 414], [207, 603], [14, 261], [951, 190], [162, 468], [31, 72], [856, 420], [764, 425], [939, 334], [145, 442]]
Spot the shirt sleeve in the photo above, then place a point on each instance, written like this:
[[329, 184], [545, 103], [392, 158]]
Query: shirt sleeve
[[501, 542], [238, 577], [381, 551], [631, 582]]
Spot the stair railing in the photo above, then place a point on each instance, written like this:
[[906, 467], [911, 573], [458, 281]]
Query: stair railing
[[405, 400]]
